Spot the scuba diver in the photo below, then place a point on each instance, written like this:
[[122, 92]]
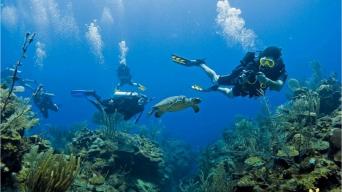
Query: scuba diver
[[126, 103], [43, 101], [252, 77], [125, 78], [7, 79]]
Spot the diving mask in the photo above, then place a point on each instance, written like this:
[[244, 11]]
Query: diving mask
[[267, 62]]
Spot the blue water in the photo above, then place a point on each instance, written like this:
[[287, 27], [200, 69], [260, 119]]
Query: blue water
[[306, 30]]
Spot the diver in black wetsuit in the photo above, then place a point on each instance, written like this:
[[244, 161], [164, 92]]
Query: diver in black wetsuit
[[125, 78], [128, 104], [252, 77], [43, 101]]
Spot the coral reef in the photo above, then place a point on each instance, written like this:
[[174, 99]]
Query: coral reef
[[16, 118], [120, 164], [179, 159], [24, 164], [297, 148], [48, 172], [61, 136], [329, 91]]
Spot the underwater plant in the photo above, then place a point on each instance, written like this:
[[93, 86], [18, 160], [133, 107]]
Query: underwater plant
[[111, 124], [146, 186], [316, 75], [18, 115], [28, 40], [17, 118], [302, 108], [216, 181], [190, 186], [49, 172], [243, 140], [220, 180]]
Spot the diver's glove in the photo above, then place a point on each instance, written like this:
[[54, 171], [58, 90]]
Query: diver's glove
[[197, 88], [243, 78], [263, 80], [201, 89]]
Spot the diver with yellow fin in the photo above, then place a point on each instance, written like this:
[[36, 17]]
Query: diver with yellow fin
[[125, 78], [252, 77]]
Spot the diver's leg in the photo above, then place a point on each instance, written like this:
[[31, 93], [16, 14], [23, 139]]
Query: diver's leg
[[96, 103], [227, 91], [211, 73]]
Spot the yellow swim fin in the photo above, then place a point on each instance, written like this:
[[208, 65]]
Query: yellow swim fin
[[180, 60]]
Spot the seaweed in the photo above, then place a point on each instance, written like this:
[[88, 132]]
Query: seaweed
[[216, 181], [20, 118], [144, 186], [49, 172], [17, 118], [190, 186], [111, 124]]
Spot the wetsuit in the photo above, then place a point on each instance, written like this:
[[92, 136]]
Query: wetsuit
[[128, 106], [243, 77], [44, 103]]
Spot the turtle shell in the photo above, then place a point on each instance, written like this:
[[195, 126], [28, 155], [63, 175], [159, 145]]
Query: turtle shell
[[174, 103]]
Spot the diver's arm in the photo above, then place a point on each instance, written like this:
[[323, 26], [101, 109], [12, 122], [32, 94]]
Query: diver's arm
[[275, 85], [278, 84]]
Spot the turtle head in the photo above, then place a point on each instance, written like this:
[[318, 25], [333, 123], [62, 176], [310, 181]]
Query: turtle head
[[196, 100]]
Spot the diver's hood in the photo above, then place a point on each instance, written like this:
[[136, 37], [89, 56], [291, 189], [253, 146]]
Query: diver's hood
[[271, 52]]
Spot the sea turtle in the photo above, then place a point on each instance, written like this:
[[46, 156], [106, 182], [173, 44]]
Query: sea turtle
[[175, 103]]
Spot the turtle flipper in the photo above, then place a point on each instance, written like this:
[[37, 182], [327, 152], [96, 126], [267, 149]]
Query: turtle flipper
[[158, 114], [196, 108]]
